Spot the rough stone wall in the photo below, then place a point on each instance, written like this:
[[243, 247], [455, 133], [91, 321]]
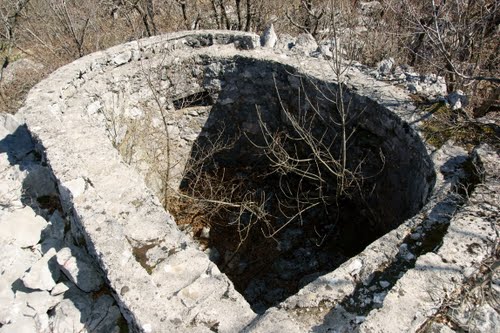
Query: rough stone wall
[[118, 214], [84, 111], [237, 88]]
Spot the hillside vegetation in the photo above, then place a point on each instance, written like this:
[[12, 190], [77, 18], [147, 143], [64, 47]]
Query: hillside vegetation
[[454, 39]]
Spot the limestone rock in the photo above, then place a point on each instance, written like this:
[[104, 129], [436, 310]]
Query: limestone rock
[[305, 44], [8, 125], [20, 67], [384, 67], [59, 288], [122, 58], [43, 274], [274, 321], [285, 42], [405, 253], [78, 267], [16, 141], [6, 300], [55, 227], [268, 38], [72, 189], [39, 182], [22, 227], [483, 318], [457, 100], [15, 310], [355, 267], [42, 323], [39, 301], [104, 315], [72, 313], [27, 325], [94, 108], [325, 51], [370, 8], [14, 261]]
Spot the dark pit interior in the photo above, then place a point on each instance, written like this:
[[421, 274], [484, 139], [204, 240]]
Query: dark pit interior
[[266, 189]]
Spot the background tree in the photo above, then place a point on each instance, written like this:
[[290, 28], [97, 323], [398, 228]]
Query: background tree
[[10, 12]]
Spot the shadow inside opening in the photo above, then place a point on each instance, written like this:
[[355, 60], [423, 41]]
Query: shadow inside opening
[[263, 190]]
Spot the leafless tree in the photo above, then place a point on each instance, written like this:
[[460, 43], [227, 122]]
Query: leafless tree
[[9, 13], [457, 38], [310, 15]]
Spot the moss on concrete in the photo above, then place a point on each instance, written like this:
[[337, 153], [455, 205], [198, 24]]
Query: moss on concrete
[[446, 124]]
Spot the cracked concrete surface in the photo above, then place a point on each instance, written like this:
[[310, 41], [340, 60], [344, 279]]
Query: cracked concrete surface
[[116, 213]]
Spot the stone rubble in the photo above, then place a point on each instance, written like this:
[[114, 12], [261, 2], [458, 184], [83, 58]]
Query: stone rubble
[[34, 294]]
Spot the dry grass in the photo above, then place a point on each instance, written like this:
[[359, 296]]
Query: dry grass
[[53, 33]]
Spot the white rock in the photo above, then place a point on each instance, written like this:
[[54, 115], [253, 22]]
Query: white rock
[[78, 267], [104, 315], [15, 310], [43, 274], [14, 261], [99, 311], [457, 100], [415, 236], [355, 267], [226, 101], [122, 58], [269, 38], [370, 7], [324, 49], [133, 113], [27, 325], [55, 227], [59, 289], [405, 253], [384, 284], [173, 130], [39, 301], [93, 108], [305, 44], [42, 323], [385, 66], [70, 316], [379, 298], [469, 272], [147, 328], [485, 319], [205, 232], [6, 300], [72, 189], [109, 323], [21, 227], [9, 123], [414, 88]]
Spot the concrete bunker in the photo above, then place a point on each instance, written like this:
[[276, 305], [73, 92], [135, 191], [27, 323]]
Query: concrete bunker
[[251, 172], [126, 99]]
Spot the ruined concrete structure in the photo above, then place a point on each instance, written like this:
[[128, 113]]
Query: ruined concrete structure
[[97, 120]]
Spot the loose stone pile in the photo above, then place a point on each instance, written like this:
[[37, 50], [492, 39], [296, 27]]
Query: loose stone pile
[[48, 283]]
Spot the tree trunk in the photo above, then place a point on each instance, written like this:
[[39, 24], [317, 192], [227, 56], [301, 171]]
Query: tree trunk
[[224, 15], [238, 12], [249, 16]]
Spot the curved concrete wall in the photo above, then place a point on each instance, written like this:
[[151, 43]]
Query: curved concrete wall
[[160, 278]]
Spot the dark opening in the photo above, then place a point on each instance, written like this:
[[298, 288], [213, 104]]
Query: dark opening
[[202, 98], [260, 195]]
